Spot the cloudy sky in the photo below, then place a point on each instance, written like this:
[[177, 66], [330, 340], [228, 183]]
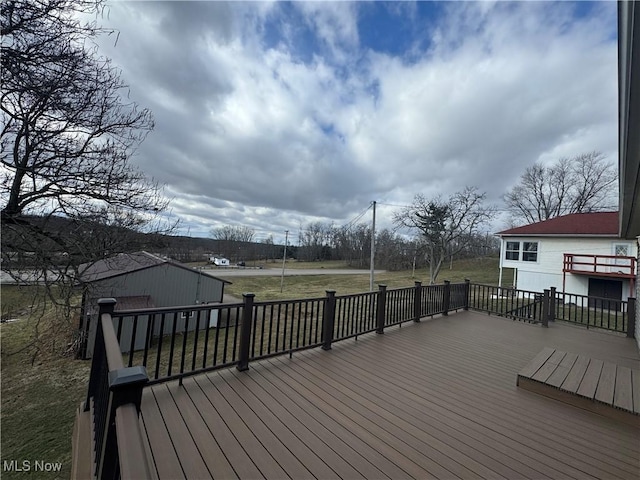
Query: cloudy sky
[[274, 115]]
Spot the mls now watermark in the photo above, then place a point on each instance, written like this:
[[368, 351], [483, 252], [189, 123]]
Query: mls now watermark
[[30, 466]]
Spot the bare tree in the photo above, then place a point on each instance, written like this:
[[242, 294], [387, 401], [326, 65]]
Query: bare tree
[[234, 241], [233, 233], [353, 244], [314, 241], [69, 191], [446, 226], [584, 183]]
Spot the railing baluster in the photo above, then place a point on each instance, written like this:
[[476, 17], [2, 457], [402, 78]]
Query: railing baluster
[[195, 339], [184, 343], [159, 351], [173, 341], [205, 349]]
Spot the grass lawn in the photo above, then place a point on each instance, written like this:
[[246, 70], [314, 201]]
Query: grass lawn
[[39, 397], [481, 270]]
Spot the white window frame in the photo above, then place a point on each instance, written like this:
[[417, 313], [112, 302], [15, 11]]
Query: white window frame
[[626, 246], [183, 314], [525, 252], [507, 251]]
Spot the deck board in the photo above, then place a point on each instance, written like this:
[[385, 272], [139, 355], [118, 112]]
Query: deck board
[[562, 371], [606, 388], [575, 375], [549, 366], [590, 380], [537, 362], [334, 434], [623, 393], [552, 456], [193, 466], [214, 458], [164, 455], [259, 454], [606, 384], [430, 400], [240, 461], [635, 381], [276, 436], [308, 434]]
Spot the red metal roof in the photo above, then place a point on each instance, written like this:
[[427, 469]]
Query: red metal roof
[[598, 223]]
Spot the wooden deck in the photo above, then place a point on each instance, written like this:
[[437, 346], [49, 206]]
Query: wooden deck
[[601, 387], [436, 399]]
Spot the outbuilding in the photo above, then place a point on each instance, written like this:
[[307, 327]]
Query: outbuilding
[[143, 280]]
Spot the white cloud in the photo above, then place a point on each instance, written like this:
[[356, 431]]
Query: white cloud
[[257, 135]]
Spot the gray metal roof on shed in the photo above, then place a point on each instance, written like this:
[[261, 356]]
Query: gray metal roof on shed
[[124, 263]]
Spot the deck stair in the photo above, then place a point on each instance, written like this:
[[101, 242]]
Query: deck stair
[[601, 387]]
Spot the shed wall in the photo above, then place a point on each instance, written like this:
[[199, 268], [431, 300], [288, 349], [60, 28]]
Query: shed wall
[[168, 286]]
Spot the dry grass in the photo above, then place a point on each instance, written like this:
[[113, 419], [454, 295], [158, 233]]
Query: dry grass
[[482, 270], [39, 392]]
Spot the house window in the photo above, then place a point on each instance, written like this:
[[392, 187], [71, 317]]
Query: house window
[[621, 250], [184, 314], [529, 251], [512, 251]]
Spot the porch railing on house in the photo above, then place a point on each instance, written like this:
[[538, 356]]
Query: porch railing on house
[[601, 265]]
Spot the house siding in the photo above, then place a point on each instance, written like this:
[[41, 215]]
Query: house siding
[[547, 272]]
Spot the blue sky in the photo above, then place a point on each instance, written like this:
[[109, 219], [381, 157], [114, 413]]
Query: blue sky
[[276, 114]]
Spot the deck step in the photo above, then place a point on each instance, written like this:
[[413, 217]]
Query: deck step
[[600, 387]]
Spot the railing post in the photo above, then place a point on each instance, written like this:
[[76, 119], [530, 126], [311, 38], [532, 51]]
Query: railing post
[[631, 317], [417, 302], [545, 308], [328, 319], [245, 332], [125, 386], [446, 297], [467, 293], [381, 308], [105, 305], [552, 304]]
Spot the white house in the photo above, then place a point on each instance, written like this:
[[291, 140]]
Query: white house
[[581, 253], [219, 261]]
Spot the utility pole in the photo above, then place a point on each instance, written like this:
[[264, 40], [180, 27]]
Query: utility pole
[[373, 247], [284, 258]]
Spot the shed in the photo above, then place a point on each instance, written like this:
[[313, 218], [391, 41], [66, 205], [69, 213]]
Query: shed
[[144, 280]]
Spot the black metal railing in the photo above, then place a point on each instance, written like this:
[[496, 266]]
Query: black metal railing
[[175, 342], [354, 315], [551, 305], [113, 398], [523, 305], [595, 312]]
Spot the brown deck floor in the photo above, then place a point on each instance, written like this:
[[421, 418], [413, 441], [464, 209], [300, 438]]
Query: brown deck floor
[[431, 400]]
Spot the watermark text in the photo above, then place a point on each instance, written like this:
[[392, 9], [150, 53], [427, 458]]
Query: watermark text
[[30, 466]]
